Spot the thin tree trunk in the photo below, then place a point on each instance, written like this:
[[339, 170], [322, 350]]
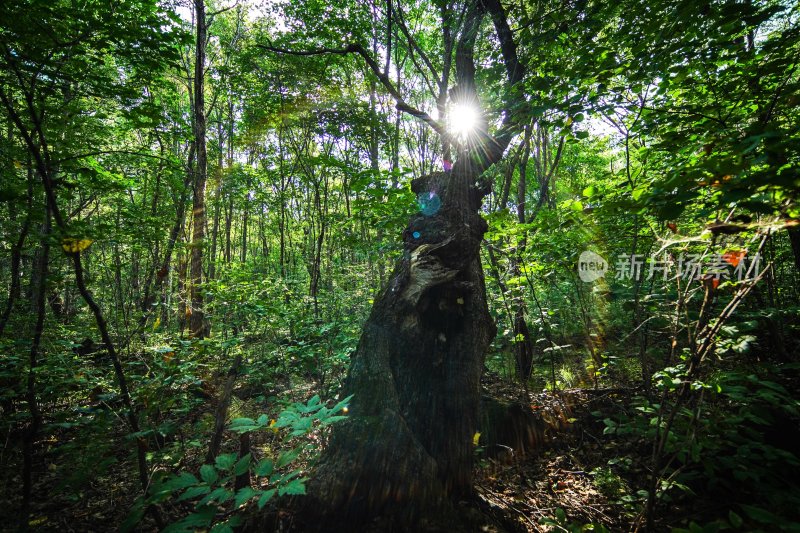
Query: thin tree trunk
[[221, 413], [197, 325], [228, 224], [522, 343], [16, 257], [245, 220], [163, 274], [212, 258], [33, 407], [794, 238]]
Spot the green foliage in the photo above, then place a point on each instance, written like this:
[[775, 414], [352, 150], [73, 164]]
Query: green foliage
[[608, 483], [742, 442], [279, 476], [562, 524], [648, 123]]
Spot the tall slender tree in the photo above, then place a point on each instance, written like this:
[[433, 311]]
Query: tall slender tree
[[197, 323]]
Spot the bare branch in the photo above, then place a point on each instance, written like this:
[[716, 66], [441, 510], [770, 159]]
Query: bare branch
[[223, 10], [508, 47]]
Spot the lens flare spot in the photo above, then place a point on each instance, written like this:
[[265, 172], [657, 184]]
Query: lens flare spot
[[429, 203]]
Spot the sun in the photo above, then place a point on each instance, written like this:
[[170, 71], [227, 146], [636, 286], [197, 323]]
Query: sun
[[463, 120]]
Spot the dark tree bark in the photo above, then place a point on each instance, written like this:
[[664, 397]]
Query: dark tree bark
[[197, 325], [16, 256], [416, 374], [35, 423], [221, 412], [794, 238]]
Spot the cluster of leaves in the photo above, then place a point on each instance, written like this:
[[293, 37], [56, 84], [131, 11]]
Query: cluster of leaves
[[739, 444], [212, 492], [562, 524]]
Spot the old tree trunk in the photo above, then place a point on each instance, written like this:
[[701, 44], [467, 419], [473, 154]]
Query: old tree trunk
[[407, 445], [405, 452]]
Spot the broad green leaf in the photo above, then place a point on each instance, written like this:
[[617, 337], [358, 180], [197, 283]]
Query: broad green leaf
[[242, 465], [265, 497], [286, 457], [209, 474], [264, 468], [243, 496], [294, 487], [194, 492], [225, 461]]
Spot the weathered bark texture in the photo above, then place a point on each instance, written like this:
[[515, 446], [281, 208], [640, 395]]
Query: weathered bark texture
[[407, 446]]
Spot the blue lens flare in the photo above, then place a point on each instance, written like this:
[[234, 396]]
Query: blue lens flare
[[429, 203]]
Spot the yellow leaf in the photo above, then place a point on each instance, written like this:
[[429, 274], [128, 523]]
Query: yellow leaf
[[476, 438], [74, 246]]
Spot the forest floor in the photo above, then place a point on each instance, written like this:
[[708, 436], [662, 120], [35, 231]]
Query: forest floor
[[567, 478]]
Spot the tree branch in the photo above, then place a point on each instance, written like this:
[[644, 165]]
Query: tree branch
[[172, 163], [400, 103], [514, 69], [412, 43]]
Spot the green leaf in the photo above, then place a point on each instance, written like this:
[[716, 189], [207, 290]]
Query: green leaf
[[264, 468], [181, 481], [265, 497], [242, 465], [287, 457], [243, 496], [199, 519], [328, 420], [225, 461], [220, 495], [134, 517], [341, 405], [194, 492], [761, 515], [209, 474], [294, 487], [735, 520], [243, 425]]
